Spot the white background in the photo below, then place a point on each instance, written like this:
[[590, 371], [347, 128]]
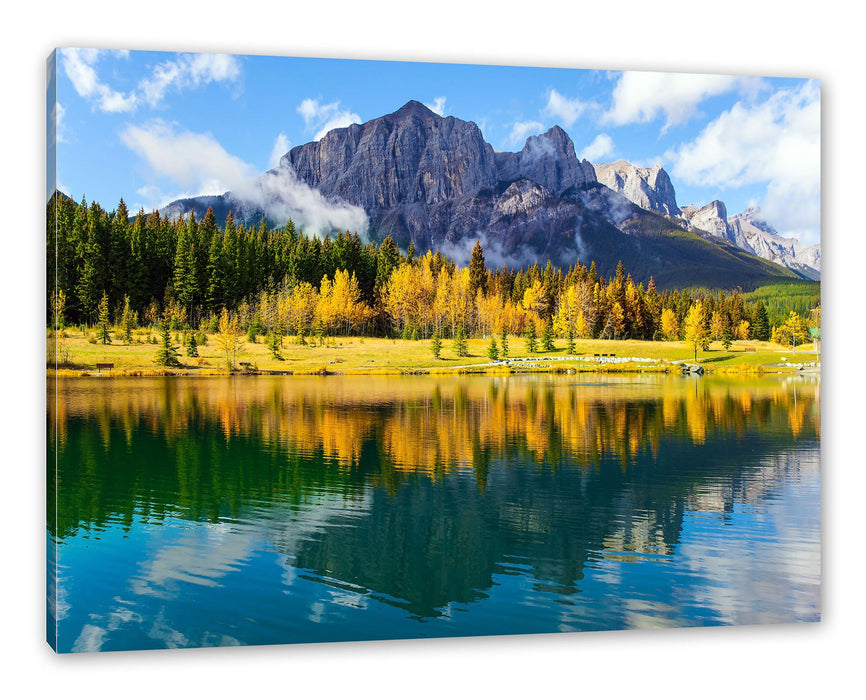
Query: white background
[[819, 40]]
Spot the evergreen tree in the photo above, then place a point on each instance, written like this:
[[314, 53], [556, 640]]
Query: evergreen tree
[[273, 345], [570, 335], [184, 279], [191, 345], [103, 328], [167, 355], [127, 320], [477, 271], [436, 345], [760, 322], [547, 337], [387, 259], [493, 348], [461, 346], [504, 344], [727, 337], [530, 336]]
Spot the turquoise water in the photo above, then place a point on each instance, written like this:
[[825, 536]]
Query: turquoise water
[[250, 510]]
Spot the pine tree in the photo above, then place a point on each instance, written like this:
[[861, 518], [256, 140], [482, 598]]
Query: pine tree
[[273, 344], [167, 355], [127, 320], [477, 271], [504, 344], [760, 322], [547, 337], [571, 348], [436, 345], [493, 349], [461, 346], [103, 328], [387, 259], [191, 345], [530, 335]]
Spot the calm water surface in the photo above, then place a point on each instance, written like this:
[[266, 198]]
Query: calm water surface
[[256, 510]]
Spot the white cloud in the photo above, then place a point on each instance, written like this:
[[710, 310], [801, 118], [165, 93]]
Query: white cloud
[[601, 147], [564, 109], [281, 147], [437, 106], [281, 195], [189, 71], [324, 118], [57, 113], [521, 130], [196, 162], [185, 71], [79, 67], [641, 97], [776, 143]]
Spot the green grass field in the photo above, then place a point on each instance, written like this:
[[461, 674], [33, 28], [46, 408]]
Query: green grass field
[[381, 355]]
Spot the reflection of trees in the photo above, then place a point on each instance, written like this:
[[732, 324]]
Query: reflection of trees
[[455, 475]]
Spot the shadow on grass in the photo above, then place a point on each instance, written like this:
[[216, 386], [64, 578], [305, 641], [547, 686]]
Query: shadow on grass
[[719, 358]]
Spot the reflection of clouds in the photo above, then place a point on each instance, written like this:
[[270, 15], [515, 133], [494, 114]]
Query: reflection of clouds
[[288, 528], [202, 556], [90, 639], [767, 568], [92, 636]]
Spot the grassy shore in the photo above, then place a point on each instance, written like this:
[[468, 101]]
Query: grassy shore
[[354, 355]]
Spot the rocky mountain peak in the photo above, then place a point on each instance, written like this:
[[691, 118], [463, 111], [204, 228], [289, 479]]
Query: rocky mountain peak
[[548, 159], [711, 218], [649, 188], [413, 108]]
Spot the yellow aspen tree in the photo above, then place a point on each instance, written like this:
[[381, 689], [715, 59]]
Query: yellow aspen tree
[[229, 337], [670, 327], [693, 328]]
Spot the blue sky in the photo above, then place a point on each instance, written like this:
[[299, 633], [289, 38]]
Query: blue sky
[[153, 126]]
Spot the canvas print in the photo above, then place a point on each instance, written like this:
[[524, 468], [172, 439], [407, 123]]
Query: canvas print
[[346, 350]]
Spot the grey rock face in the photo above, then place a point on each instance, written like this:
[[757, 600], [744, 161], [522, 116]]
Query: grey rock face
[[765, 242], [649, 188], [434, 180], [411, 156], [549, 160], [711, 218]]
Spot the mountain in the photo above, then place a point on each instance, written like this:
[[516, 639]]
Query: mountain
[[649, 188], [765, 241], [749, 231], [436, 182]]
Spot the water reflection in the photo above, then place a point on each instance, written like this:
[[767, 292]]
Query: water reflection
[[381, 506]]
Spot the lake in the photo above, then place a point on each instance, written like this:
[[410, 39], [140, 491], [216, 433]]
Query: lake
[[212, 511]]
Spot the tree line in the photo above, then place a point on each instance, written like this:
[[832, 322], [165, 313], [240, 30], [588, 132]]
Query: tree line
[[146, 270]]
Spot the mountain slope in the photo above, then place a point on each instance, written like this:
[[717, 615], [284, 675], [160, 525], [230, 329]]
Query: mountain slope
[[434, 181]]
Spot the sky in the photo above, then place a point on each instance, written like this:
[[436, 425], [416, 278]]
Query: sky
[[151, 127]]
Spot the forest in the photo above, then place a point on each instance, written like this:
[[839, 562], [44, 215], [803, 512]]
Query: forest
[[112, 269]]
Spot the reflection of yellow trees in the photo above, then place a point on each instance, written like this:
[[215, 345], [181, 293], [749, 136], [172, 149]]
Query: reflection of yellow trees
[[436, 425]]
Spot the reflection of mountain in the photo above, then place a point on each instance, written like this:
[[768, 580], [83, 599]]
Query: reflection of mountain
[[423, 490]]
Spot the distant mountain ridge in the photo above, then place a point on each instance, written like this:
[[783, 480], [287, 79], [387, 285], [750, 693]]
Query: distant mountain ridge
[[434, 181], [651, 189]]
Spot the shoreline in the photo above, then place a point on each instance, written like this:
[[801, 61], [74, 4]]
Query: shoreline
[[521, 366]]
